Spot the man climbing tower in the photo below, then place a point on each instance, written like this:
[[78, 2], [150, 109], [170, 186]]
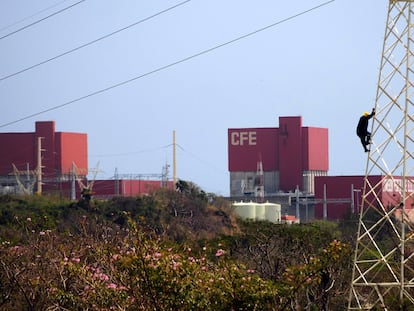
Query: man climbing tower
[[362, 129]]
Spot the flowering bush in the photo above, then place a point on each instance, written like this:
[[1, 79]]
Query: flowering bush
[[125, 256], [124, 270], [311, 284], [170, 278]]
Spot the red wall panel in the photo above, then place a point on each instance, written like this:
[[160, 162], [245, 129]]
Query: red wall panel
[[339, 187], [105, 188], [46, 131], [392, 192], [71, 147], [290, 153], [248, 146], [17, 149], [136, 187], [315, 149]]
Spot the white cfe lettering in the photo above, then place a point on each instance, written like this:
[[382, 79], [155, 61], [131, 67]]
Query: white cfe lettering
[[243, 138]]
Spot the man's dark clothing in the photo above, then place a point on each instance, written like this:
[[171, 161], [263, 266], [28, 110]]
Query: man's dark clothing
[[362, 130]]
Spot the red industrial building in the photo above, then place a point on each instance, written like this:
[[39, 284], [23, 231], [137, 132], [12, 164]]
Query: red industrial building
[[338, 196], [63, 159], [104, 189], [56, 153], [289, 165], [279, 159]]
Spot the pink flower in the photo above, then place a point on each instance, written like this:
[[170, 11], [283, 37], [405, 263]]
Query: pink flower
[[157, 255], [28, 219], [15, 248], [42, 233], [219, 252], [176, 265], [98, 276], [111, 285]]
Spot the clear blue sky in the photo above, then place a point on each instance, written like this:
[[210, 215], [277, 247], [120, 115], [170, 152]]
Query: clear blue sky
[[322, 65]]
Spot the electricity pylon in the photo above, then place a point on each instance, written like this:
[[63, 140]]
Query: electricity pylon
[[383, 270]]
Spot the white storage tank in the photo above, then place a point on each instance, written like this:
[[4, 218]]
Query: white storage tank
[[245, 210], [258, 211], [273, 212]]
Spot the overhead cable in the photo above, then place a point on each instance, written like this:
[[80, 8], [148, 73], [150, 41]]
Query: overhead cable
[[32, 15], [94, 41], [129, 153], [165, 66], [201, 160], [41, 20]]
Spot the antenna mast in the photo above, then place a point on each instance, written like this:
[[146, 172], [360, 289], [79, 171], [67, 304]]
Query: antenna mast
[[174, 160], [383, 270], [39, 165], [259, 182]]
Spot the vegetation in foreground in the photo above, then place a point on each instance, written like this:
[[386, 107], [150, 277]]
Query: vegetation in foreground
[[172, 250]]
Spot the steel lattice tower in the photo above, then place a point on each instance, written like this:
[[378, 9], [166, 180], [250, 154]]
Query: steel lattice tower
[[383, 271]]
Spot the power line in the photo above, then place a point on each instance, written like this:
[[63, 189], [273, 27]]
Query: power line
[[94, 41], [166, 66], [41, 20], [30, 16], [130, 152], [201, 160]]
